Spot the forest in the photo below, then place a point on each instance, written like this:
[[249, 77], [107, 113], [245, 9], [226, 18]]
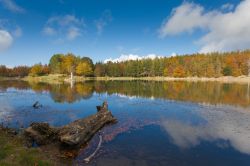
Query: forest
[[235, 63]]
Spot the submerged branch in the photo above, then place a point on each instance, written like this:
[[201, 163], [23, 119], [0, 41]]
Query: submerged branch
[[96, 150]]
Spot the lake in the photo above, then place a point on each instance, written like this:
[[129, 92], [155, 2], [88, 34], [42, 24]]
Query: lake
[[159, 123]]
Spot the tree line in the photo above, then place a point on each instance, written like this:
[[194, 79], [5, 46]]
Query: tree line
[[200, 65], [235, 63], [19, 71]]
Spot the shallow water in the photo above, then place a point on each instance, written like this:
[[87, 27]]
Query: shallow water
[[160, 123]]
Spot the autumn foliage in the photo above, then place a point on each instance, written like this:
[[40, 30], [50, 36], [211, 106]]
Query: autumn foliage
[[39, 70], [200, 65], [65, 64], [19, 71], [196, 65]]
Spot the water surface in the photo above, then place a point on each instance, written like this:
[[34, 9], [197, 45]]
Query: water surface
[[160, 123]]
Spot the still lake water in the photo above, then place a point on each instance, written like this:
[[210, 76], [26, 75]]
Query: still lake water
[[160, 123]]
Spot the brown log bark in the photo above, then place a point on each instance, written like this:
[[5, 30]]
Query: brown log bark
[[73, 134], [81, 131]]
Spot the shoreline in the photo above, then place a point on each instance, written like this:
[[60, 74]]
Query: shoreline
[[56, 79], [228, 79], [13, 146]]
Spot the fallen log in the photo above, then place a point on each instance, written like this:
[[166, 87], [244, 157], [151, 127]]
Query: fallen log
[[41, 133], [81, 131], [74, 134]]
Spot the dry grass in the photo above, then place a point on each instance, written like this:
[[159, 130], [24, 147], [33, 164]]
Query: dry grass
[[51, 78], [13, 152], [60, 78], [224, 79]]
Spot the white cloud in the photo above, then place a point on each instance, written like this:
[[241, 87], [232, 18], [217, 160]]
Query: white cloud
[[173, 54], [65, 20], [128, 57], [12, 6], [225, 31], [73, 32], [11, 27], [49, 31], [5, 40], [185, 18], [8, 32], [103, 21], [67, 27]]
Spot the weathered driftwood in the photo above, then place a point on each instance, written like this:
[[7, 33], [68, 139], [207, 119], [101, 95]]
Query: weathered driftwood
[[81, 131], [41, 133], [103, 107], [73, 134]]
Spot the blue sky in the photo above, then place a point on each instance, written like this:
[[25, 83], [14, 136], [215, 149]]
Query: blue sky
[[32, 31]]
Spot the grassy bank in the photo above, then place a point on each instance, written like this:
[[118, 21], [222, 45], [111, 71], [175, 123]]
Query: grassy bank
[[52, 78], [9, 78], [60, 78], [228, 79], [13, 152]]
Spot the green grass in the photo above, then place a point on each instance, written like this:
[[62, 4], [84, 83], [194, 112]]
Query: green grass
[[13, 152]]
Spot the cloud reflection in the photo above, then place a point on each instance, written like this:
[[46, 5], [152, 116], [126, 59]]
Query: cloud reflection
[[6, 110], [225, 123]]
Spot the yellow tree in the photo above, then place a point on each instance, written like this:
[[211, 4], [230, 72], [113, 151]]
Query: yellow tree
[[210, 72], [84, 69], [68, 63], [36, 70], [179, 72], [166, 72]]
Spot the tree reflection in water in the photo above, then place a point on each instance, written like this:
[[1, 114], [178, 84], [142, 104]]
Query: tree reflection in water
[[198, 92], [186, 113]]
